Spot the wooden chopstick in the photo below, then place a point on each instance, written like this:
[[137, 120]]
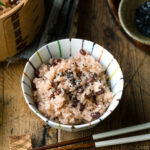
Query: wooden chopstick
[[79, 146], [109, 142], [87, 138], [98, 136]]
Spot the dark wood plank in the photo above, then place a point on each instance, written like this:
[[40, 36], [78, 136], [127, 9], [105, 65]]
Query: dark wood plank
[[96, 24], [18, 119]]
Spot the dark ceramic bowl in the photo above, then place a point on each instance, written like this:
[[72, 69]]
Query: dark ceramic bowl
[[126, 12]]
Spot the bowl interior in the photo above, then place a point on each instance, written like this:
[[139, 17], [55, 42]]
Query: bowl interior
[[127, 9], [64, 49]]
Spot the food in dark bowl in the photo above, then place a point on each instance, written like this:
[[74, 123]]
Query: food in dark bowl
[[142, 18]]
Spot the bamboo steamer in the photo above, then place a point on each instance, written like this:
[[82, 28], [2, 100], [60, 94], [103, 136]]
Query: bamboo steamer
[[19, 26]]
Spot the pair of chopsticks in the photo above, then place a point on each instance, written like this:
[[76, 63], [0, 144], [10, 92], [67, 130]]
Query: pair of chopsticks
[[99, 136]]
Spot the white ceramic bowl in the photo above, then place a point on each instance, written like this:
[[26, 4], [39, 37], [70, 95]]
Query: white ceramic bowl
[[64, 49]]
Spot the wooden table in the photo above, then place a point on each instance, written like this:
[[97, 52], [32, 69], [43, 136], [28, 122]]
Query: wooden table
[[95, 23]]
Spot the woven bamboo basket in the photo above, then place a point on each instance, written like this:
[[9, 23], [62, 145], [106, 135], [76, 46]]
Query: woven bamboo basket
[[19, 27]]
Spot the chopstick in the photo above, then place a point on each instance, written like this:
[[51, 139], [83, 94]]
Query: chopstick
[[79, 146], [131, 129], [126, 140], [87, 138], [98, 136], [109, 142]]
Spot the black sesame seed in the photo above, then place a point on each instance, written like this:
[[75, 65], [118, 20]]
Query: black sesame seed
[[101, 91], [80, 90], [78, 82], [36, 104], [52, 96], [94, 99], [33, 86], [69, 95], [82, 107], [74, 102], [73, 81], [89, 95]]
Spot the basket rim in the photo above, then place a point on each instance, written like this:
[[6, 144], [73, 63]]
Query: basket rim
[[13, 10]]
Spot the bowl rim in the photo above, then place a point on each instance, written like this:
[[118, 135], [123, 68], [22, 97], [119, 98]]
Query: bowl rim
[[59, 125], [136, 38]]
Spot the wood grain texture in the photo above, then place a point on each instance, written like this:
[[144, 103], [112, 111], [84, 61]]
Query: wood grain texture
[[113, 5], [21, 142], [17, 118], [96, 24]]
